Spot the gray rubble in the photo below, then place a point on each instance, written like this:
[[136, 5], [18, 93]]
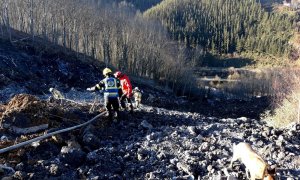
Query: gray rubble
[[156, 143]]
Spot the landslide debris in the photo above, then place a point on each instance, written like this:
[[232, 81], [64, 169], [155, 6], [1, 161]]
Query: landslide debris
[[25, 111], [24, 114], [153, 143], [24, 69], [169, 138]]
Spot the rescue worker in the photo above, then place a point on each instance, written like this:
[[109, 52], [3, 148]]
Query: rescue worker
[[56, 93], [137, 94], [126, 90], [110, 86]]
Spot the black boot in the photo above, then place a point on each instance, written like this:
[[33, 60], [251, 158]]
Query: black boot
[[118, 116], [131, 108]]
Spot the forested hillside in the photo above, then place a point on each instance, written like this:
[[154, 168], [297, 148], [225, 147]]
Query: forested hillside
[[110, 32], [267, 4], [143, 4], [226, 26]]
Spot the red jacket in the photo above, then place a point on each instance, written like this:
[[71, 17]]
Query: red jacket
[[126, 85]]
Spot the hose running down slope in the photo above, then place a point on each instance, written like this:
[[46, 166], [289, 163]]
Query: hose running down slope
[[49, 135]]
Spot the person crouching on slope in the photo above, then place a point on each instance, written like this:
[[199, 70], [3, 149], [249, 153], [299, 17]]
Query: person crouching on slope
[[126, 90], [111, 97]]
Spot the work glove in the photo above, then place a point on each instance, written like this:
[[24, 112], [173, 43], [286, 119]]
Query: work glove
[[91, 89]]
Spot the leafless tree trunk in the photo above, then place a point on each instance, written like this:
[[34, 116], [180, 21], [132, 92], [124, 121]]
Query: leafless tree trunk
[[64, 29], [2, 19], [31, 19], [44, 19], [1, 29], [7, 20]]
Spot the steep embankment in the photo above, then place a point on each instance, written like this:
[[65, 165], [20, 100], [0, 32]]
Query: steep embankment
[[34, 69]]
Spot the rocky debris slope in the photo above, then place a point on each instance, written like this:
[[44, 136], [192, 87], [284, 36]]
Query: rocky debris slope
[[155, 143], [27, 114], [171, 144], [24, 114], [27, 69], [34, 68]]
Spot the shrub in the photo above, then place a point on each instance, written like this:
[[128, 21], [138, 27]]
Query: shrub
[[286, 102]]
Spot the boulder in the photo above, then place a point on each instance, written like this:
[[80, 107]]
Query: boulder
[[6, 170], [89, 139], [72, 156], [146, 125]]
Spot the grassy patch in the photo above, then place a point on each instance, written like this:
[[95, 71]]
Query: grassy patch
[[286, 102], [286, 111]]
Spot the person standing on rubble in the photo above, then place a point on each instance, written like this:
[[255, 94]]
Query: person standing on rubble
[[126, 90], [110, 85], [137, 94]]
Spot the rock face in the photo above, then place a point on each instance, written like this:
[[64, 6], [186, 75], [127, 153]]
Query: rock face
[[72, 156]]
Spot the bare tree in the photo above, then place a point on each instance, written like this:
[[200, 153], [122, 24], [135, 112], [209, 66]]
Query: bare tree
[[5, 18], [31, 6], [116, 35]]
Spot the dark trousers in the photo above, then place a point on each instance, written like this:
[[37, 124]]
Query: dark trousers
[[112, 105], [123, 104]]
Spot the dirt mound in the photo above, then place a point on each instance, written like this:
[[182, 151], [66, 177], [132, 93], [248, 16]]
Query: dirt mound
[[24, 114], [2, 109], [24, 101]]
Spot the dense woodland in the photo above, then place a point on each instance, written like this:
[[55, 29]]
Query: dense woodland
[[113, 33], [140, 5], [143, 4], [226, 26]]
